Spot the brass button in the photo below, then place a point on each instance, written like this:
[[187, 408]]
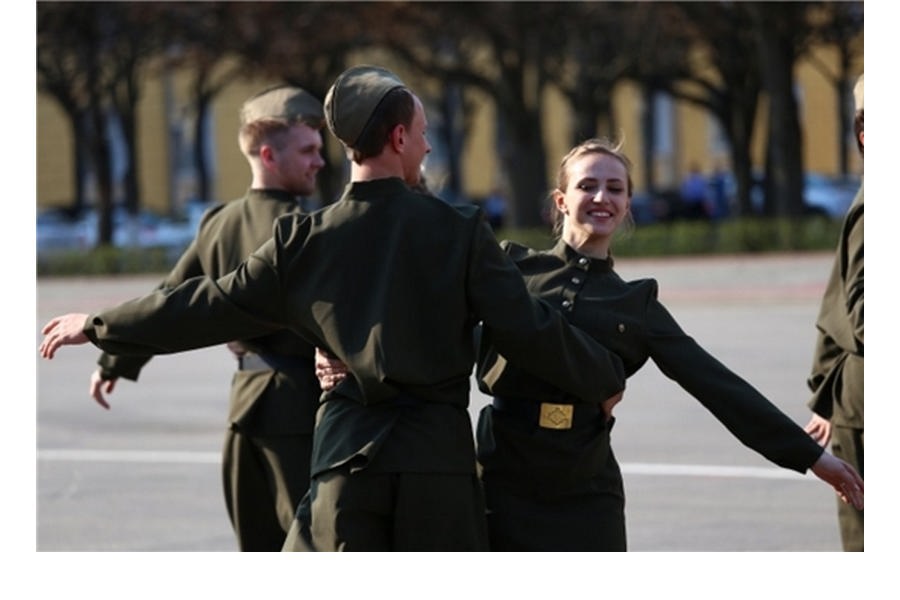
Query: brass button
[[566, 303], [576, 280], [621, 327], [582, 261]]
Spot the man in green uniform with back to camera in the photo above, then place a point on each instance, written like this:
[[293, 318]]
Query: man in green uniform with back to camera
[[836, 379], [391, 282], [274, 393]]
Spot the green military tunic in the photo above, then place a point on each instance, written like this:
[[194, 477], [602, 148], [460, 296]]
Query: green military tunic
[[837, 374], [391, 282], [550, 489], [271, 410]]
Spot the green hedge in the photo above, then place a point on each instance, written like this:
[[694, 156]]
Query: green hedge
[[106, 260], [735, 236]]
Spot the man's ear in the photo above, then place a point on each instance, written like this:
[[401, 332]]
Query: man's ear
[[267, 156], [398, 138]]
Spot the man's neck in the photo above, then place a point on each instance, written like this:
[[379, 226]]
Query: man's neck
[[262, 183], [375, 168]]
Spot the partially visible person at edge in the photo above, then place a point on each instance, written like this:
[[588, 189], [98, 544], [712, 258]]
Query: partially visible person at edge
[[391, 282], [550, 476], [836, 378], [274, 394]]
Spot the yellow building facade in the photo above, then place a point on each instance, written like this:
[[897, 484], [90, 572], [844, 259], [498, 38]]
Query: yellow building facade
[[165, 115]]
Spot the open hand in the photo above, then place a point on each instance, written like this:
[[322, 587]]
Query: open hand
[[99, 386], [819, 429], [842, 477], [65, 330], [329, 370]]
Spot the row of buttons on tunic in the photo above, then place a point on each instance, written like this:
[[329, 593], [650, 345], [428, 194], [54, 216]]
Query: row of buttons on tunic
[[570, 304]]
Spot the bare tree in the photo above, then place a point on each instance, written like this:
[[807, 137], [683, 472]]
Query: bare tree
[[782, 33], [201, 36], [89, 58], [305, 44], [839, 25], [497, 49], [72, 41], [595, 45], [61, 75], [717, 69]]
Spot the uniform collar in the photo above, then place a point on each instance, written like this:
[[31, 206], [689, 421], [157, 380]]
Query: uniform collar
[[272, 194], [574, 259], [386, 186]]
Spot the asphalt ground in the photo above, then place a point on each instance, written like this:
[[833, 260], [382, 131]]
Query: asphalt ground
[[144, 476]]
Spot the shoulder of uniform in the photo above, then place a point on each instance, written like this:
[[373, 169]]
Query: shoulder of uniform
[[211, 214], [515, 249], [648, 286]]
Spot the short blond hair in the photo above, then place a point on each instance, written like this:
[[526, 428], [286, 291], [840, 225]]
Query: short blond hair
[[254, 134]]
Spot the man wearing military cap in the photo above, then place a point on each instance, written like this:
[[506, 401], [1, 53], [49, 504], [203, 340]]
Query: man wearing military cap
[[391, 282], [274, 394], [836, 379]]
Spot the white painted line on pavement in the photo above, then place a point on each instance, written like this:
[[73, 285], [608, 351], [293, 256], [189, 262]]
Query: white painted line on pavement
[[710, 471], [189, 457]]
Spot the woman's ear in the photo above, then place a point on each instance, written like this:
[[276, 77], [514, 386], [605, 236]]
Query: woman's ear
[[559, 200]]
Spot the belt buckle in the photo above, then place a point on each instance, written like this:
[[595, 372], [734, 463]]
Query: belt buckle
[[556, 416]]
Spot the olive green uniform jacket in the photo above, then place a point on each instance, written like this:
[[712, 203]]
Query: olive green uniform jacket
[[837, 375], [570, 476], [391, 282], [261, 492], [836, 379]]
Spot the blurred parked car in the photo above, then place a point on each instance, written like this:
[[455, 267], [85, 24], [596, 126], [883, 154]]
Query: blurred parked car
[[654, 208], [822, 195], [57, 229], [828, 196]]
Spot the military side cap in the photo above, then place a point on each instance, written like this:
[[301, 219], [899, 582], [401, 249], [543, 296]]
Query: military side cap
[[282, 103], [858, 93], [353, 99]]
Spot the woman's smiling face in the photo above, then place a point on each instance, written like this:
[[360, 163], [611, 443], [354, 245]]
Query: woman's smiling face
[[596, 199]]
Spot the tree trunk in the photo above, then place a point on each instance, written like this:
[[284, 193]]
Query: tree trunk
[[648, 130], [81, 159], [130, 179], [100, 157], [784, 177], [523, 157], [451, 132], [199, 152]]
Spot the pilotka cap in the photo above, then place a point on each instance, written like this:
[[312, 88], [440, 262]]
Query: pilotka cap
[[282, 103], [858, 93], [353, 99]]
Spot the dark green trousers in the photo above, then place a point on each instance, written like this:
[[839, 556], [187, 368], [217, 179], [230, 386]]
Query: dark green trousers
[[550, 490], [377, 512], [847, 444], [264, 480]]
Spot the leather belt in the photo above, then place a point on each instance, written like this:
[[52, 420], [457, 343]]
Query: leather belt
[[549, 415]]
